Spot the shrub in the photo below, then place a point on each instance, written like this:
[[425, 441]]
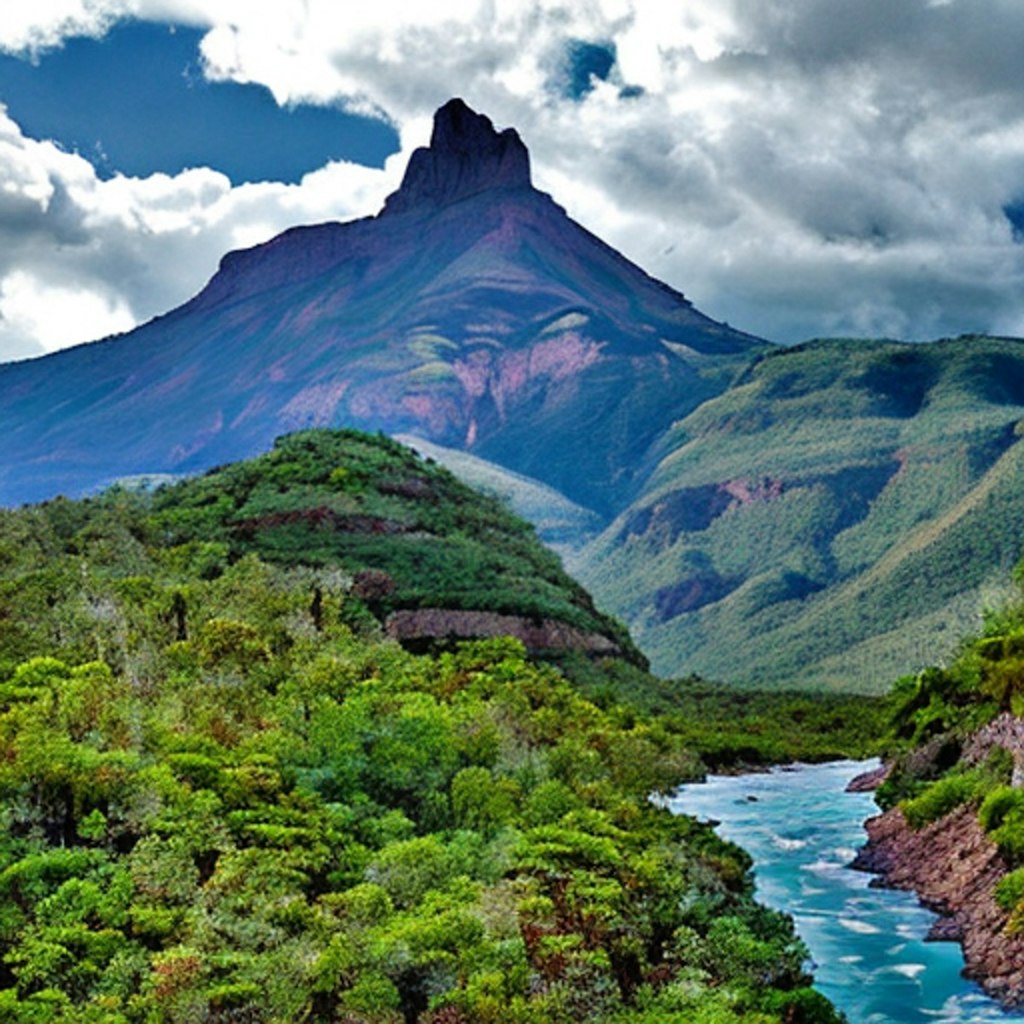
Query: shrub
[[943, 797], [1009, 837], [1000, 803], [1009, 891]]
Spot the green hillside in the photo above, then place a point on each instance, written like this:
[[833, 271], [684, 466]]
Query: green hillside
[[839, 516], [227, 796], [406, 531], [560, 523]]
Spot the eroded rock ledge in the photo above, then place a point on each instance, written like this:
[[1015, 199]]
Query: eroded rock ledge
[[953, 867], [424, 625]]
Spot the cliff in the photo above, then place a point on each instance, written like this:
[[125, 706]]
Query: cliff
[[953, 867], [953, 836]]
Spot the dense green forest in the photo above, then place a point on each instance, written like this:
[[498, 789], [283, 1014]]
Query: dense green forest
[[954, 737], [228, 796]]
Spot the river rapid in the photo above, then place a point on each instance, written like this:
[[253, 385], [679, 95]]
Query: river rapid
[[867, 945]]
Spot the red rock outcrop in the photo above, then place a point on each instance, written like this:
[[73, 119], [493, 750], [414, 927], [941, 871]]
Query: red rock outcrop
[[953, 867], [869, 781]]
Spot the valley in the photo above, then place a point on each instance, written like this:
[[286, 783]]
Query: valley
[[229, 793], [352, 613]]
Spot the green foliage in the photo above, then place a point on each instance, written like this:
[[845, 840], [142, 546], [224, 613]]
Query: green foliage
[[363, 504], [1002, 817], [829, 521], [998, 805], [220, 802], [1009, 890], [731, 728], [1002, 669], [943, 796], [936, 716]]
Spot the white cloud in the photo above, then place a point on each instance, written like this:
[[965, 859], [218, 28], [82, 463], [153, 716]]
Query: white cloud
[[796, 167], [81, 258], [42, 24], [56, 316]]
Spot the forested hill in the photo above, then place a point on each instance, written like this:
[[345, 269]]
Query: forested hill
[[420, 551], [228, 795]]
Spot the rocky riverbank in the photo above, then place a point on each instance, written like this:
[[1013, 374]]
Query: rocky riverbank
[[953, 867]]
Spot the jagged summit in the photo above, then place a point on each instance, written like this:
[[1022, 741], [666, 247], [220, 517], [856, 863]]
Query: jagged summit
[[472, 312], [466, 155]]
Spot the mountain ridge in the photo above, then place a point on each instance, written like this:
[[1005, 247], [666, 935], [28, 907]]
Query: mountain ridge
[[837, 498]]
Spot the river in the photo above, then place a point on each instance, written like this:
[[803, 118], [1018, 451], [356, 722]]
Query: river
[[802, 829]]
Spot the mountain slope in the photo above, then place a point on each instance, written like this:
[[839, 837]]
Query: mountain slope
[[471, 312], [561, 524], [431, 559], [835, 518]]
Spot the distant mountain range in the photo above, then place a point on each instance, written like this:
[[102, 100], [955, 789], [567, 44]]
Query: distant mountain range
[[830, 514]]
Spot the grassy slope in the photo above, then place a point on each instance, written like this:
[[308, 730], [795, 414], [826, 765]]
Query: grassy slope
[[871, 469], [360, 503], [560, 523]]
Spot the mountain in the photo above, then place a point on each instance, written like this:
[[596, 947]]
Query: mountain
[[828, 515], [471, 311], [836, 518]]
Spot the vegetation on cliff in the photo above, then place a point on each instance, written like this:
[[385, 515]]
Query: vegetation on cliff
[[957, 739], [227, 796]]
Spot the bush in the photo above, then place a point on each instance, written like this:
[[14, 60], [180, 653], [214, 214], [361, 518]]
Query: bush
[[802, 1006], [1009, 891], [998, 805], [943, 797], [1009, 837]]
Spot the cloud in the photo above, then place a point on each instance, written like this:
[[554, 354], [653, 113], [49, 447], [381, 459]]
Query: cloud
[[92, 257], [796, 167], [53, 316], [44, 24]]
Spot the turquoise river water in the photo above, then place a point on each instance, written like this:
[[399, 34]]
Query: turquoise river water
[[802, 829]]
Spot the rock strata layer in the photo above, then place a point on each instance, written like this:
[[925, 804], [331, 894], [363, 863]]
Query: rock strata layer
[[424, 625], [953, 867]]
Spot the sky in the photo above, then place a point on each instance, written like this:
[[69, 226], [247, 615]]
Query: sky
[[798, 168]]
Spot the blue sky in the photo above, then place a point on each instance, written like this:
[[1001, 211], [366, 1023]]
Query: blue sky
[[136, 101], [799, 169]]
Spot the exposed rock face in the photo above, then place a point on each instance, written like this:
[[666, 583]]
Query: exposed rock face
[[868, 781], [694, 509], [466, 156], [1006, 731], [424, 625], [953, 867]]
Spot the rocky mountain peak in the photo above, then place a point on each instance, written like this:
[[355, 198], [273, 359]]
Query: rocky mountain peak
[[466, 155]]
